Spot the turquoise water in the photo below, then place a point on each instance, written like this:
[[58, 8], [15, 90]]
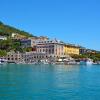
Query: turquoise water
[[45, 82]]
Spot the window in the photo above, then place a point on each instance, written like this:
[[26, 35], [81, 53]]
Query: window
[[15, 58], [34, 56], [12, 59], [46, 50]]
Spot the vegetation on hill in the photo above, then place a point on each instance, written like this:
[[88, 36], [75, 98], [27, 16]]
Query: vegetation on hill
[[11, 45], [7, 30], [95, 56]]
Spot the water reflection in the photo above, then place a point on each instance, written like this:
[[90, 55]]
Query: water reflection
[[65, 76]]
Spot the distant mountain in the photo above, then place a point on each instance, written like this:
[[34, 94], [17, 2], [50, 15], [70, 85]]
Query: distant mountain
[[6, 30]]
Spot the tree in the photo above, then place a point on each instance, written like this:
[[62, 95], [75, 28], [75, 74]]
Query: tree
[[5, 44], [3, 53]]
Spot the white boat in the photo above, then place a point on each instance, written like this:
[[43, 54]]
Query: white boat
[[2, 63], [44, 61], [89, 62], [86, 62]]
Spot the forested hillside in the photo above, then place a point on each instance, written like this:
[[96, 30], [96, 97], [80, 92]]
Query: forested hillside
[[6, 30]]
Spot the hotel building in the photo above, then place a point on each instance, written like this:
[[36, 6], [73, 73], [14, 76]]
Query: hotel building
[[71, 49], [52, 48]]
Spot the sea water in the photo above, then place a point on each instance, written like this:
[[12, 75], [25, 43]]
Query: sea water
[[49, 82]]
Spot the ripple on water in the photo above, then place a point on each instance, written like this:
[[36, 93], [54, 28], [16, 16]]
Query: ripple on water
[[45, 82]]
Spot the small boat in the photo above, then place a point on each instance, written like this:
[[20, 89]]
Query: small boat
[[89, 62], [3, 61], [44, 61]]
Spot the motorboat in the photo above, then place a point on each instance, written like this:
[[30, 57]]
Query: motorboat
[[3, 61], [86, 62], [89, 61]]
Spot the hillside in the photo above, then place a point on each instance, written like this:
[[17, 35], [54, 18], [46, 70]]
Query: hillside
[[6, 30]]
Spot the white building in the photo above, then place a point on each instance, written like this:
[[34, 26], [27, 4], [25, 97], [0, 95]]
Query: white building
[[13, 35], [3, 38]]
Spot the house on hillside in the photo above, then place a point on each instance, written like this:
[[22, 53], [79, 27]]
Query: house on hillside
[[3, 38], [18, 36]]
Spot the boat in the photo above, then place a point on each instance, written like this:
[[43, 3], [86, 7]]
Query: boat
[[44, 61], [86, 62], [89, 62], [3, 61]]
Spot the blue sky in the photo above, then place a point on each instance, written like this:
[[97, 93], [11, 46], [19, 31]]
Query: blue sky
[[73, 21]]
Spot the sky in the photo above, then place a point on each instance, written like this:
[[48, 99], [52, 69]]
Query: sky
[[72, 21]]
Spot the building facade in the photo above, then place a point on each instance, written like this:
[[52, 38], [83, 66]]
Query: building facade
[[71, 49], [30, 57], [52, 48], [25, 43], [27, 57], [84, 50], [13, 57]]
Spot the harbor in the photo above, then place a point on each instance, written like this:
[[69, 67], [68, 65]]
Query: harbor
[[52, 62], [49, 50]]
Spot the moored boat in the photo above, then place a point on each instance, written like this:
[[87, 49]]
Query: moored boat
[[86, 62]]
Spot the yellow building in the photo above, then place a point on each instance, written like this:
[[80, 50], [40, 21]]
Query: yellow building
[[70, 49]]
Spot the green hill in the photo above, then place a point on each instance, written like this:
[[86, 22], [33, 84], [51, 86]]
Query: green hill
[[6, 30]]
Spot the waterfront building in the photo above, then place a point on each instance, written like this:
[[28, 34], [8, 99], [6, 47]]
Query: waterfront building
[[52, 48], [13, 57], [29, 57], [71, 49]]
